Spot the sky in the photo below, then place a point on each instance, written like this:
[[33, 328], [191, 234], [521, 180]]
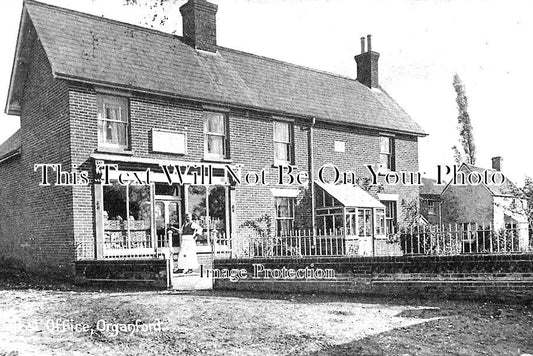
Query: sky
[[422, 45]]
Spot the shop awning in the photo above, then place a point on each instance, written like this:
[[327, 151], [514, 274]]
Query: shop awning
[[351, 195]]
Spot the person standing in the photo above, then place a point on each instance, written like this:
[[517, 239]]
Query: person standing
[[187, 258]]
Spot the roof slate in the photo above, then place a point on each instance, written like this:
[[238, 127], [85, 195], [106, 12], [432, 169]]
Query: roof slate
[[429, 187], [102, 51], [508, 188]]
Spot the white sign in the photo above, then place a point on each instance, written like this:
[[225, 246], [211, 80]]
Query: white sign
[[169, 141], [340, 146]]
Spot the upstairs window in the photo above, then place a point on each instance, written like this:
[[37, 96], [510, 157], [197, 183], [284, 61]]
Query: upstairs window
[[215, 135], [282, 142], [113, 122], [386, 153]]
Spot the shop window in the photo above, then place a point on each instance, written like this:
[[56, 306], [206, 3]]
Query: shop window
[[213, 221], [127, 216]]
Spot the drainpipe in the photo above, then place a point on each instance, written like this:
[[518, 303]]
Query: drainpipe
[[311, 176]]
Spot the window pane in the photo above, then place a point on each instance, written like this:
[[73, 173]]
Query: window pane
[[384, 144], [368, 223], [380, 221], [140, 211], [197, 209], [282, 208], [215, 123], [284, 227], [217, 214], [284, 215], [339, 226], [281, 132], [101, 131], [384, 161], [165, 189], [350, 224], [360, 223], [329, 224], [113, 121], [215, 145], [115, 228], [282, 151]]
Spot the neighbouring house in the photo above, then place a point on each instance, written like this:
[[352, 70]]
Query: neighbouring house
[[495, 206], [91, 91], [430, 201]]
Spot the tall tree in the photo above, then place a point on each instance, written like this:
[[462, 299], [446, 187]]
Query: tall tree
[[466, 135]]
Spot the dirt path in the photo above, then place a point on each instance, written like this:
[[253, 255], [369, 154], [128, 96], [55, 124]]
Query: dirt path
[[40, 322]]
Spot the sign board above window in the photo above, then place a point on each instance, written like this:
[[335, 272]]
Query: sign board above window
[[169, 141]]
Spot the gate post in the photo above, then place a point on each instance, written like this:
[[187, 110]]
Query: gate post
[[170, 260]]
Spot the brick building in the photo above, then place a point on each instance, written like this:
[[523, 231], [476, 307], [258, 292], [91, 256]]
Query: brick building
[[430, 201], [495, 205], [93, 91]]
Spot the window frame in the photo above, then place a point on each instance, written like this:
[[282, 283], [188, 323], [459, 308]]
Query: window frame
[[225, 135], [289, 144], [392, 219], [391, 161], [291, 205], [431, 205], [124, 108]]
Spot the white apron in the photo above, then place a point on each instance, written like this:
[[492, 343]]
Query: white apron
[[187, 258]]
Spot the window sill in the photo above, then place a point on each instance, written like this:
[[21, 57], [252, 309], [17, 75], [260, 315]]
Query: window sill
[[114, 150], [217, 160], [277, 164]]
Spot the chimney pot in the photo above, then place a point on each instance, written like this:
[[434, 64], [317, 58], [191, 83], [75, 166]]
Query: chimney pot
[[367, 64], [497, 163]]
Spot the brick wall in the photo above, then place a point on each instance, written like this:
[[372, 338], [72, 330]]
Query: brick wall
[[465, 204], [36, 222], [362, 148], [504, 277]]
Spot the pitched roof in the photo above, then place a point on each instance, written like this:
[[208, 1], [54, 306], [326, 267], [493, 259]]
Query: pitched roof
[[107, 52], [351, 195], [429, 187], [508, 188], [11, 146]]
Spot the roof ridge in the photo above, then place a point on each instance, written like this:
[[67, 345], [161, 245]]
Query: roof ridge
[[166, 34], [291, 64], [102, 17]]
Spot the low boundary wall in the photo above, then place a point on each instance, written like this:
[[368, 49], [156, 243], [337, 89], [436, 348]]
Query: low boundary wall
[[489, 277]]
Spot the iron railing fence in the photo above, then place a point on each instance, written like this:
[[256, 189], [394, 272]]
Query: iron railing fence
[[434, 240]]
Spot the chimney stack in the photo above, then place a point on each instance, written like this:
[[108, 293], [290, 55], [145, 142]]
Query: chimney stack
[[367, 64], [497, 163], [199, 24]]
